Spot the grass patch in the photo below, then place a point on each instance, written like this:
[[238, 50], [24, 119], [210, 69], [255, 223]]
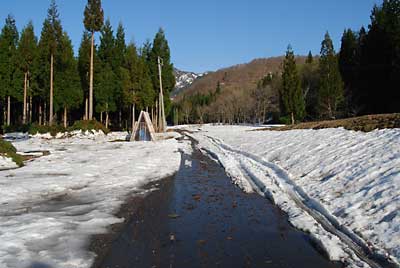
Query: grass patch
[[53, 130], [365, 123], [8, 150]]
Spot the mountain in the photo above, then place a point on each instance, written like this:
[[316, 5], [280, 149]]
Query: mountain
[[247, 93], [242, 77], [184, 80]]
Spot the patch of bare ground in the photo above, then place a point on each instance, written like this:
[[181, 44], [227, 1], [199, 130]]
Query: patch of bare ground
[[365, 123]]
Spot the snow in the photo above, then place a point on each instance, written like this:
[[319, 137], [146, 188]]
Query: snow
[[15, 136], [7, 163], [184, 80], [51, 207], [332, 182]]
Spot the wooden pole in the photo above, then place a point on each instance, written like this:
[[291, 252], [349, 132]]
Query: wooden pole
[[162, 121]]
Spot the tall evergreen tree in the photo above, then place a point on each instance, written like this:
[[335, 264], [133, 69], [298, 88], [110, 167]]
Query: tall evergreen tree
[[120, 47], [108, 80], [129, 80], [349, 65], [146, 51], [291, 93], [27, 52], [8, 63], [49, 44], [107, 44], [161, 49], [331, 85], [310, 58], [105, 89], [146, 90], [381, 60], [84, 69], [93, 21], [309, 82], [68, 93], [119, 56]]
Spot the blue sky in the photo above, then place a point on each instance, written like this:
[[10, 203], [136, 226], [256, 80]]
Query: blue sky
[[209, 34]]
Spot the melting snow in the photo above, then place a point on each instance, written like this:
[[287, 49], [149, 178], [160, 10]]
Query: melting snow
[[350, 178], [51, 207]]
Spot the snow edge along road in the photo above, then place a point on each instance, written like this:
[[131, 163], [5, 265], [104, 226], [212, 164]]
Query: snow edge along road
[[252, 173], [49, 214]]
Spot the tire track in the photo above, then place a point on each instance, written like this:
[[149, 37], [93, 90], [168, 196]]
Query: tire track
[[280, 177]]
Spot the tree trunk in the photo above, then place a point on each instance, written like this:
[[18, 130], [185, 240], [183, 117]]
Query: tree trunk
[[45, 114], [30, 109], [51, 89], [120, 118], [330, 112], [25, 95], [30, 101], [133, 118], [91, 80], [156, 117], [86, 116], [101, 117], [65, 116], [4, 115], [8, 110], [40, 114], [292, 116], [106, 119], [106, 115]]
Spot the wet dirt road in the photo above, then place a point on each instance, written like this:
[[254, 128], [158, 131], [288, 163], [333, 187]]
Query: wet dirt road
[[199, 218]]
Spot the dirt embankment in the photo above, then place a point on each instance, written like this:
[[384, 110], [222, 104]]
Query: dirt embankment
[[363, 123]]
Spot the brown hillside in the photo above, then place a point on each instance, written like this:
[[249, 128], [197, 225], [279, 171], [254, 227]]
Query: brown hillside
[[242, 76]]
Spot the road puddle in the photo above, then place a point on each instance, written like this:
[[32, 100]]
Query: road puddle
[[200, 219]]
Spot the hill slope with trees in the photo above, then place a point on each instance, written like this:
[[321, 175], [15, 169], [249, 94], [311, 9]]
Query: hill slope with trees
[[360, 78]]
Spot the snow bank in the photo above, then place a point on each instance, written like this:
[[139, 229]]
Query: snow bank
[[7, 163], [350, 178], [50, 207], [76, 133], [15, 136]]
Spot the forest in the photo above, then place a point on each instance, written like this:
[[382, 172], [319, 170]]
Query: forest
[[363, 77], [42, 82]]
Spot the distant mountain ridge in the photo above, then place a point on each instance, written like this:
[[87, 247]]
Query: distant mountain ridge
[[184, 80], [242, 77]]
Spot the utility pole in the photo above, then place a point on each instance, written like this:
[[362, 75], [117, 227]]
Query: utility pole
[[161, 118]]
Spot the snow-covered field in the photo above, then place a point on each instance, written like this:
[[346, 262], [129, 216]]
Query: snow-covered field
[[51, 207], [332, 183], [6, 163]]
